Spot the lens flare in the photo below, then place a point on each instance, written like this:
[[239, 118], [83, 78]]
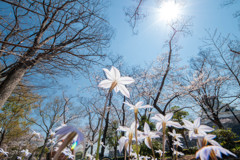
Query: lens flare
[[74, 145]]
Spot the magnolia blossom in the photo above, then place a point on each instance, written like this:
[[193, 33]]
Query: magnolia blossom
[[164, 121], [209, 139], [26, 152], [67, 129], [147, 135], [114, 80], [195, 129], [175, 135], [51, 134], [212, 151]]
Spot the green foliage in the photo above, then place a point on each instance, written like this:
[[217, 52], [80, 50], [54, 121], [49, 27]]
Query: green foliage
[[12, 115], [179, 114], [142, 121], [144, 150], [191, 150], [225, 137]]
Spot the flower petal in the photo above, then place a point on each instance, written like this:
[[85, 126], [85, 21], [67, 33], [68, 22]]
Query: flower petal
[[115, 72], [124, 90], [158, 126], [196, 122], [146, 128], [205, 128], [174, 124], [125, 80], [168, 116], [108, 74], [139, 104], [147, 144], [105, 83], [187, 124]]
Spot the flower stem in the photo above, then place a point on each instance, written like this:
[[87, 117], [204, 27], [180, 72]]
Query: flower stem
[[163, 139], [176, 152], [150, 142], [100, 131], [136, 112]]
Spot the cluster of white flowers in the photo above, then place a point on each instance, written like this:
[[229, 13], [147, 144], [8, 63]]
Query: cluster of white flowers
[[196, 130]]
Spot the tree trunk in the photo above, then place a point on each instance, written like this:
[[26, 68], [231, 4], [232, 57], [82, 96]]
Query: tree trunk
[[43, 147], [11, 81], [217, 122], [2, 137]]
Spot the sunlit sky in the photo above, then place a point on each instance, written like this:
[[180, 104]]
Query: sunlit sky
[[144, 47]]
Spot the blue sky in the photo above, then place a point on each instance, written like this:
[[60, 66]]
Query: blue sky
[[144, 47]]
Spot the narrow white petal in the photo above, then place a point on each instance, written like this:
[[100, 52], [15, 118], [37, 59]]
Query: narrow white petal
[[158, 126], [105, 83], [174, 124], [108, 74], [124, 90], [197, 122], [168, 116], [116, 72], [125, 80], [147, 144], [206, 128], [146, 128], [187, 124], [146, 106], [123, 128], [139, 104]]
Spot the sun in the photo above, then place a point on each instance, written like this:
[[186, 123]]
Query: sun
[[169, 11]]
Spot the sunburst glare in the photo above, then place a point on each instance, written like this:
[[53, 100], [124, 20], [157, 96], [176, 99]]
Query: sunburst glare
[[169, 11]]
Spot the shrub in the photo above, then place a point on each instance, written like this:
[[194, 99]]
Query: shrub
[[225, 137]]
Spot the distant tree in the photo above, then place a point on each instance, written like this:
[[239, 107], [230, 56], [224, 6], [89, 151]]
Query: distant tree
[[12, 117], [50, 115], [49, 36]]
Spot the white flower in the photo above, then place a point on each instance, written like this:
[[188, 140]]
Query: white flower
[[38, 135], [177, 143], [144, 157], [147, 135], [164, 121], [114, 80], [52, 134], [178, 153], [195, 129], [3, 152], [19, 158], [209, 138], [175, 135], [137, 106], [160, 152], [129, 131], [123, 142], [51, 142], [213, 152], [26, 152], [67, 129]]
